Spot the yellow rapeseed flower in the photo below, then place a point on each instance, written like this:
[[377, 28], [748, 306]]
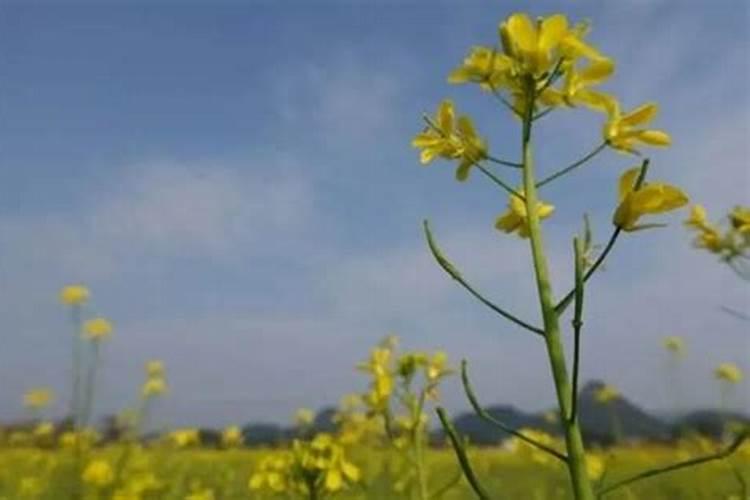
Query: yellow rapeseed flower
[[533, 45], [622, 134], [698, 218], [651, 198], [38, 398], [98, 473], [74, 295], [152, 387], [155, 368], [304, 417], [740, 219], [728, 372], [97, 329], [595, 466], [231, 436], [674, 344], [451, 139], [485, 66], [515, 219], [183, 438]]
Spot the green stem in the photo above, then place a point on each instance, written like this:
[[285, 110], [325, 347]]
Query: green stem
[[614, 418], [679, 465], [577, 325], [418, 440], [482, 413], [576, 453], [449, 268], [88, 399], [565, 302], [463, 459], [75, 397]]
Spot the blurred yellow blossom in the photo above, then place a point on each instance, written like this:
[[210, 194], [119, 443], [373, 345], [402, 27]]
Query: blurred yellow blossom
[[74, 295], [674, 344], [304, 417], [38, 398], [98, 473], [154, 387], [740, 219], [231, 437], [183, 438], [97, 329], [728, 372], [155, 368]]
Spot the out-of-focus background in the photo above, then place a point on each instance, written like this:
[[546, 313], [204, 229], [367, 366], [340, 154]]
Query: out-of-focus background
[[235, 184]]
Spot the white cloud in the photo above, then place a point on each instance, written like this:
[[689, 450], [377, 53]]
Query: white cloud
[[344, 98]]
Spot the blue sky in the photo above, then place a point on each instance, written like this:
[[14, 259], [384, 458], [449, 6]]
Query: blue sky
[[234, 182]]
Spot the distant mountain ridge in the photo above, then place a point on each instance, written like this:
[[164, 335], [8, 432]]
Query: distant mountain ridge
[[631, 422]]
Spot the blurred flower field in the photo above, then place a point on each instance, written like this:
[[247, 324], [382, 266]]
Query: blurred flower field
[[162, 472], [384, 441]]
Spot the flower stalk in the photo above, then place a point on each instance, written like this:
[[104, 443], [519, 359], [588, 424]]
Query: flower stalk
[[574, 442]]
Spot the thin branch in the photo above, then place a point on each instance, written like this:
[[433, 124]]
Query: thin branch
[[677, 466], [456, 275], [463, 459], [553, 76], [737, 314], [503, 100], [565, 302], [448, 486], [498, 180], [542, 114], [573, 165], [504, 162], [482, 413], [577, 324]]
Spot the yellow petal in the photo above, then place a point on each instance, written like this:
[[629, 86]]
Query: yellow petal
[[334, 481], [655, 137], [598, 71], [446, 116], [522, 32], [459, 75], [642, 114], [627, 182], [598, 101], [351, 471], [573, 46], [545, 210], [427, 155], [552, 31], [426, 140], [508, 222]]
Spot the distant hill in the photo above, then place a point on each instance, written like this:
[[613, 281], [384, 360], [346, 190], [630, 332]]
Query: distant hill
[[595, 419], [635, 423], [707, 422]]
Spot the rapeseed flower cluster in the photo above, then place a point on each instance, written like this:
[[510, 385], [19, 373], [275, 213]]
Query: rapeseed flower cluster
[[547, 64], [310, 468], [730, 243]]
